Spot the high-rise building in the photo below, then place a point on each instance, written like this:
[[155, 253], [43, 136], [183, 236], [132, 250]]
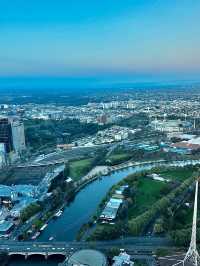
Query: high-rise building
[[6, 134], [12, 134], [18, 137], [2, 155]]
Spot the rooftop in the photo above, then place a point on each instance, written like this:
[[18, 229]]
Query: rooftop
[[87, 257], [122, 260], [5, 226]]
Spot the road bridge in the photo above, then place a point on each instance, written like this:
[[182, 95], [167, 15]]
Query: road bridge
[[133, 245]]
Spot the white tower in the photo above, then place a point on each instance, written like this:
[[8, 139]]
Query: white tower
[[192, 254]]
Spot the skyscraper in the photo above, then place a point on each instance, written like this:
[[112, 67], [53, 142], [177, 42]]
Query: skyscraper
[[6, 134], [12, 134], [2, 155], [18, 137]]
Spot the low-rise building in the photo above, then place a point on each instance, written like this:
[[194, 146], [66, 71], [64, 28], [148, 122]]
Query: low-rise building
[[190, 145], [16, 211], [170, 125], [110, 211], [7, 193], [88, 257], [112, 207], [123, 259], [5, 227]]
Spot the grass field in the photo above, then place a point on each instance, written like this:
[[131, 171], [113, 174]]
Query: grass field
[[149, 190], [145, 193], [119, 156], [148, 193], [79, 168], [177, 174]]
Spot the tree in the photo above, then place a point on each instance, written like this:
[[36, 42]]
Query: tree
[[29, 211], [3, 258], [158, 227]]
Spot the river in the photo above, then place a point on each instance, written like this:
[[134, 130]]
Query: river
[[78, 212]]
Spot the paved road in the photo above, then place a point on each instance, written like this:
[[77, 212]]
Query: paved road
[[140, 244], [150, 260], [62, 156]]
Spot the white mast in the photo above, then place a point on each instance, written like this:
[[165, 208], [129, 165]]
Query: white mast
[[192, 254]]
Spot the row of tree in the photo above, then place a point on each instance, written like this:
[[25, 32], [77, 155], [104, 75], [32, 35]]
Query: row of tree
[[30, 211], [138, 224]]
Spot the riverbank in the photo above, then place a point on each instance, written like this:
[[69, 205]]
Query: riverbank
[[98, 172], [81, 210], [87, 200], [146, 202]]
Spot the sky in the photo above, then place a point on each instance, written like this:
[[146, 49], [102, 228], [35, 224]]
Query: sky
[[98, 42]]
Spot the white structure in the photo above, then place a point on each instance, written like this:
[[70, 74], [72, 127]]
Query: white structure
[[122, 259], [89, 257], [192, 255], [195, 141], [168, 126], [110, 211]]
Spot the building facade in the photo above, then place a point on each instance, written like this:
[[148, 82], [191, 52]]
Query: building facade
[[18, 136], [6, 134]]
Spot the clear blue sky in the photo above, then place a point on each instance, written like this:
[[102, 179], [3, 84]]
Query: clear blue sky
[[100, 41]]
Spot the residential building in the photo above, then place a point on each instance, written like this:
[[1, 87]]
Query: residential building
[[5, 227]]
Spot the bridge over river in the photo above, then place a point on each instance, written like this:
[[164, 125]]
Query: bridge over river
[[138, 245]]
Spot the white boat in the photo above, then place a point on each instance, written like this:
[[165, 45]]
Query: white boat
[[35, 236], [58, 213], [43, 227], [51, 238]]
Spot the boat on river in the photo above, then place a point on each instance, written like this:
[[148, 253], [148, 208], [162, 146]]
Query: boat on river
[[58, 214]]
